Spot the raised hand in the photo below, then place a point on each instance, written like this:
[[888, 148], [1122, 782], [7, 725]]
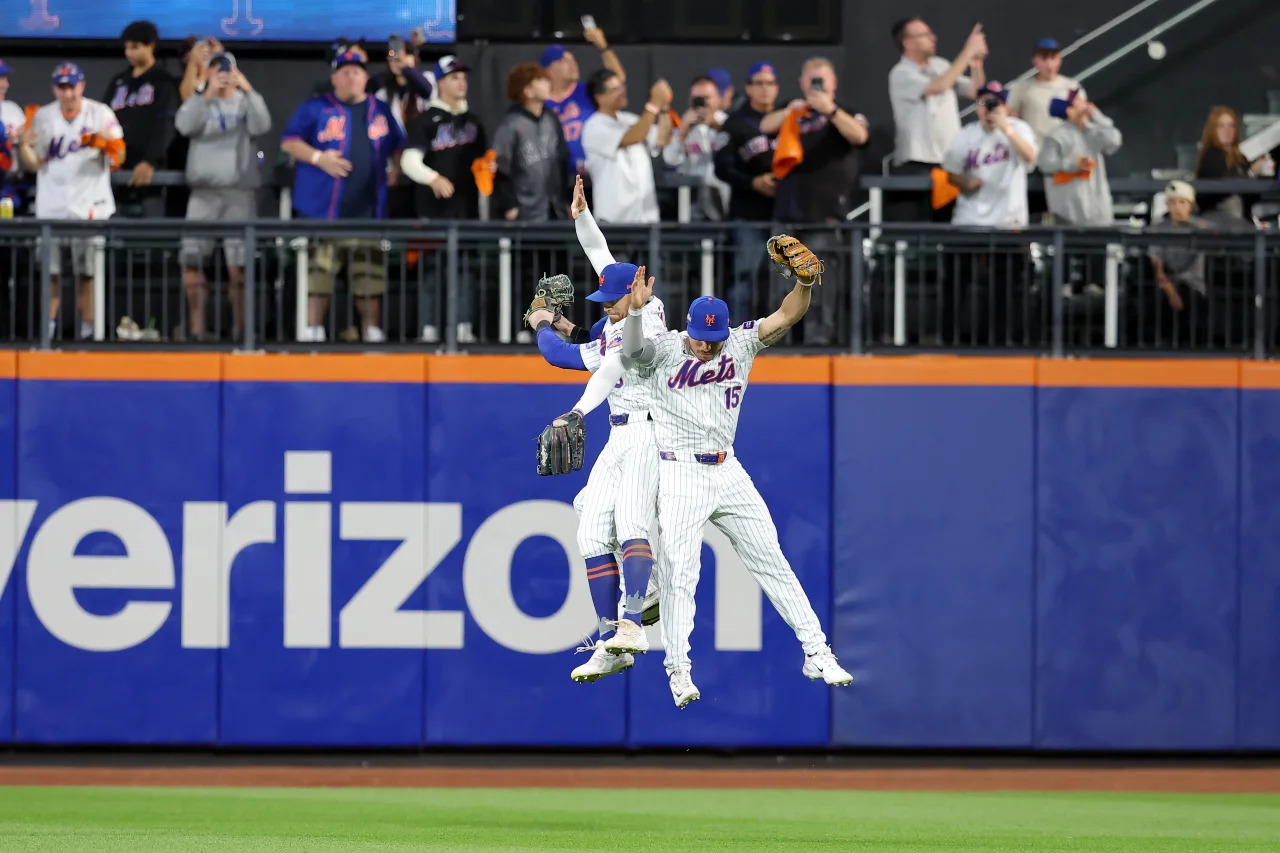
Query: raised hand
[[579, 199], [641, 290]]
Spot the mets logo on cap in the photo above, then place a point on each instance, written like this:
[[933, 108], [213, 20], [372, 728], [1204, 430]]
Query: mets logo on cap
[[67, 74]]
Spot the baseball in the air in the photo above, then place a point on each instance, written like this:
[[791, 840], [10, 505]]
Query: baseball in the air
[[1156, 49]]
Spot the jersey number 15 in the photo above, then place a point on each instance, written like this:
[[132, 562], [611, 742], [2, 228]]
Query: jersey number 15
[[732, 397]]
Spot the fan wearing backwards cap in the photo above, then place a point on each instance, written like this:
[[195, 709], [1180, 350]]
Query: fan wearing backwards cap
[[569, 99]]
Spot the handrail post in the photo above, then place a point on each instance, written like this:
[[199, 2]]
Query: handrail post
[[653, 266], [46, 286], [1260, 296], [451, 290], [504, 290], [301, 317], [99, 244], [249, 296], [708, 267], [856, 284], [1059, 279], [900, 293]]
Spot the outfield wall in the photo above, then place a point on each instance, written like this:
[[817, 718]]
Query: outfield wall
[[321, 551]]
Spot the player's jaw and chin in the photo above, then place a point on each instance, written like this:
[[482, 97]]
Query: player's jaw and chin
[[703, 351]]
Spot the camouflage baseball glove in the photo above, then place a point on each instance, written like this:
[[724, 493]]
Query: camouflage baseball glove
[[792, 257], [553, 294], [562, 444]]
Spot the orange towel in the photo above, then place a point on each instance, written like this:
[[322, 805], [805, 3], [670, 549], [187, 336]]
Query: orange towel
[[1060, 178], [789, 153], [30, 112], [482, 168], [944, 192], [112, 149]]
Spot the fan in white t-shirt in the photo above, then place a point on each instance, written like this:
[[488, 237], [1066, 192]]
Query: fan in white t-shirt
[[620, 147], [989, 162]]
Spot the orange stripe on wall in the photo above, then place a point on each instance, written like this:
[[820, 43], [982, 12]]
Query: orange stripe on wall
[[8, 364], [500, 369], [1260, 375], [791, 370], [1139, 373], [121, 366], [352, 367], [932, 370]]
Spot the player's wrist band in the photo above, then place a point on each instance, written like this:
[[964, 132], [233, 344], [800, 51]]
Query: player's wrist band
[[315, 157], [545, 324]]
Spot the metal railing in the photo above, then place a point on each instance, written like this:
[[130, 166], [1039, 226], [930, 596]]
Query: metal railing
[[464, 285]]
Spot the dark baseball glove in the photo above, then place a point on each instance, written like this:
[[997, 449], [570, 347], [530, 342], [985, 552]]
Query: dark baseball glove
[[562, 444], [793, 258], [553, 294]]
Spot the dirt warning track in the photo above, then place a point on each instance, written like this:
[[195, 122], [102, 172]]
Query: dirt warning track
[[1163, 779]]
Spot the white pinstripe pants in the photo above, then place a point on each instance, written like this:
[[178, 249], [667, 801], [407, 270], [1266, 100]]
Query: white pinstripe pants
[[620, 499], [689, 495]]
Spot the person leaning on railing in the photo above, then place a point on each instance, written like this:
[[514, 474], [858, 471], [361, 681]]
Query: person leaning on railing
[[341, 142], [222, 173]]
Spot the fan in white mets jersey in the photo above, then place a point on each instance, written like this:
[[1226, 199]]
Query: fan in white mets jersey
[[699, 380], [617, 506]]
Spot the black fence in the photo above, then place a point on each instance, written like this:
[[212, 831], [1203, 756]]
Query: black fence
[[465, 285]]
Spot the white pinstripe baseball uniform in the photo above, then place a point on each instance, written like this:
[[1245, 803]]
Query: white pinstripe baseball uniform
[[700, 480]]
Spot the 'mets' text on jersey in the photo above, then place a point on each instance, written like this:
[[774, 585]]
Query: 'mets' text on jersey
[[698, 403]]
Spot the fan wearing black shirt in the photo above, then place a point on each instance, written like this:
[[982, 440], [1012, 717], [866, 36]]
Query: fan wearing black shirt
[[745, 163], [821, 187], [145, 100]]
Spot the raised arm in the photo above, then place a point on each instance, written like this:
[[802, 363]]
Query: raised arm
[[635, 347], [601, 382], [589, 234], [792, 258]]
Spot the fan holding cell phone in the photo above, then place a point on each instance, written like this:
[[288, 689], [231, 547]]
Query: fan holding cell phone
[[569, 99]]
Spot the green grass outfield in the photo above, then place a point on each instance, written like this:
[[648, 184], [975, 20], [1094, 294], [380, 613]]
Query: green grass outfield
[[177, 820]]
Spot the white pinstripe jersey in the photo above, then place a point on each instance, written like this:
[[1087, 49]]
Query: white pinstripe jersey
[[631, 394], [698, 404]]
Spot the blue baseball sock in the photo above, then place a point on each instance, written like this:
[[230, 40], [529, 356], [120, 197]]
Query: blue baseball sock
[[602, 578], [637, 565]]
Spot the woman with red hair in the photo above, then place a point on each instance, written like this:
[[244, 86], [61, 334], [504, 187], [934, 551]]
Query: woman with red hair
[[1220, 158]]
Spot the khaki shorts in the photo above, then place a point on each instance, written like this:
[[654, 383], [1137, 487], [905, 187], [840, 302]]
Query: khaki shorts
[[81, 249], [363, 260], [216, 205]]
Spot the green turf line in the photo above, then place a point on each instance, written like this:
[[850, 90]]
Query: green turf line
[[246, 820]]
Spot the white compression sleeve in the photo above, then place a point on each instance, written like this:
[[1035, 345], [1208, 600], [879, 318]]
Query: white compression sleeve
[[414, 167], [593, 243], [601, 382]]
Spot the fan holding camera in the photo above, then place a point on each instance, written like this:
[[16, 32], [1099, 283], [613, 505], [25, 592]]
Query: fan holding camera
[[692, 151], [989, 162]]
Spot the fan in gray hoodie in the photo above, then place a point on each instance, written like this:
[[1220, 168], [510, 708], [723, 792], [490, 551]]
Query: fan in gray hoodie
[[1073, 160], [222, 171]]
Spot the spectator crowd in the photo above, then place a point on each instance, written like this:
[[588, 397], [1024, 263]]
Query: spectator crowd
[[406, 143]]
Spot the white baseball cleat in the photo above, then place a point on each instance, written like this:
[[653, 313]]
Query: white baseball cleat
[[683, 690], [823, 665], [628, 638], [651, 610], [600, 664]]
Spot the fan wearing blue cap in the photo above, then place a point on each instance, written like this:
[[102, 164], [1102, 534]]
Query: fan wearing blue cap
[[569, 99], [1029, 99], [699, 381]]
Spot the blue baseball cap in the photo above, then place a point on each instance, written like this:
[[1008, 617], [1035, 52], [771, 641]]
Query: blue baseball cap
[[552, 54], [994, 88], [615, 283], [67, 74], [4, 69], [766, 67], [449, 65], [708, 319], [723, 79], [349, 56], [1048, 44]]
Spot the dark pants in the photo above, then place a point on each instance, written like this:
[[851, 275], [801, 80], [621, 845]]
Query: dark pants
[[749, 271], [915, 206]]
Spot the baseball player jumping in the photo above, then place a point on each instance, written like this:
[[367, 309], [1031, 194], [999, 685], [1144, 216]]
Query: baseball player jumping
[[618, 504], [698, 380]]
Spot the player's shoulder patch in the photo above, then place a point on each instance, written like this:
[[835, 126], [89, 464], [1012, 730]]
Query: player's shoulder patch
[[750, 324]]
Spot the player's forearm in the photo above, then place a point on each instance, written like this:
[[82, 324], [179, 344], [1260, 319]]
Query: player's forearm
[[601, 383], [634, 345], [790, 312], [557, 352], [591, 238]]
